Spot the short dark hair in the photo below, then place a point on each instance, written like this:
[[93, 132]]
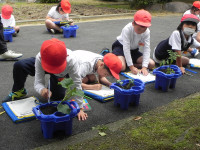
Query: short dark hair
[[57, 8], [193, 8], [106, 67], [188, 23]]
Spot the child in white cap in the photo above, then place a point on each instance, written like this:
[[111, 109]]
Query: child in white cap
[[195, 10], [179, 41]]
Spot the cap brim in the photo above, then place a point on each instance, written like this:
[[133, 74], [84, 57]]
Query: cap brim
[[52, 69], [114, 74], [192, 20], [67, 11], [143, 24]]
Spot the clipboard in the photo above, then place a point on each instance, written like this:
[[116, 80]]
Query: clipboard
[[20, 110], [194, 63], [103, 95], [150, 78]]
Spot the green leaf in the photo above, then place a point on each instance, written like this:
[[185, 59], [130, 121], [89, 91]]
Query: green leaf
[[79, 93], [76, 92], [102, 133], [66, 83], [63, 108]]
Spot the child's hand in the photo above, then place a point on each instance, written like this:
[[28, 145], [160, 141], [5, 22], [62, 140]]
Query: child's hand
[[134, 70], [71, 22], [144, 71], [182, 70], [45, 93], [97, 86], [82, 115]]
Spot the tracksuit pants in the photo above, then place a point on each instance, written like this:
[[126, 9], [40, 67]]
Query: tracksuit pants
[[25, 67], [3, 46]]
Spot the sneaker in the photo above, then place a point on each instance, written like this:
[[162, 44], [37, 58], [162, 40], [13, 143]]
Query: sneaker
[[61, 30], [104, 51], [52, 31], [194, 52], [15, 34], [15, 95], [10, 55]]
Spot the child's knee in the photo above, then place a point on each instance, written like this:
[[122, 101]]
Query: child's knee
[[92, 78], [85, 80], [123, 67], [18, 65], [151, 64]]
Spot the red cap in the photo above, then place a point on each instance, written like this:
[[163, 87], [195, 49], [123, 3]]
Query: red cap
[[6, 11], [143, 18], [113, 63], [196, 4], [190, 17], [66, 6], [53, 56]]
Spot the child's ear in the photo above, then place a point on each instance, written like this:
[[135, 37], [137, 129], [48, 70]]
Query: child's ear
[[102, 64], [133, 23]]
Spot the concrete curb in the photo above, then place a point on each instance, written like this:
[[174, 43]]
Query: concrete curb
[[80, 138], [79, 18]]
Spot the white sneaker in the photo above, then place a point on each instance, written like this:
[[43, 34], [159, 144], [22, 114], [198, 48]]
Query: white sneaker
[[52, 31], [10, 55], [194, 52]]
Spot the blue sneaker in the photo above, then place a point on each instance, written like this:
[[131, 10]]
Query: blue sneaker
[[15, 95], [194, 52], [104, 51]]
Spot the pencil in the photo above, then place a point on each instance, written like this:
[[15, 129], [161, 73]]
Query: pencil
[[87, 97]]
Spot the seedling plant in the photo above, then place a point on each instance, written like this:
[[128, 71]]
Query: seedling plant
[[126, 86], [70, 92], [169, 61]]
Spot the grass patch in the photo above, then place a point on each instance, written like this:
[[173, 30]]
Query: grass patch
[[171, 127]]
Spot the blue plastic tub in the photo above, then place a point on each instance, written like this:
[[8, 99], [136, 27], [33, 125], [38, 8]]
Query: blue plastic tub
[[8, 34], [166, 81], [69, 31], [125, 97], [56, 121]]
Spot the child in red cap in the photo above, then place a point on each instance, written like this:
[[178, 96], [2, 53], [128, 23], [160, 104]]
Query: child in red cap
[[58, 13], [8, 19], [53, 59], [6, 54], [179, 41], [93, 64], [134, 35], [195, 10]]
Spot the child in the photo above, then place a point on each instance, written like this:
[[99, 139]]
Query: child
[[133, 35], [91, 63], [6, 54], [8, 19], [195, 10], [58, 13], [180, 40], [53, 59]]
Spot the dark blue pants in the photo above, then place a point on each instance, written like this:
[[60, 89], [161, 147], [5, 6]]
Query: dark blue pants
[[3, 46], [25, 67]]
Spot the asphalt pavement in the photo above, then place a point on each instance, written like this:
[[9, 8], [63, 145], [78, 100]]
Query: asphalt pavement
[[91, 36]]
